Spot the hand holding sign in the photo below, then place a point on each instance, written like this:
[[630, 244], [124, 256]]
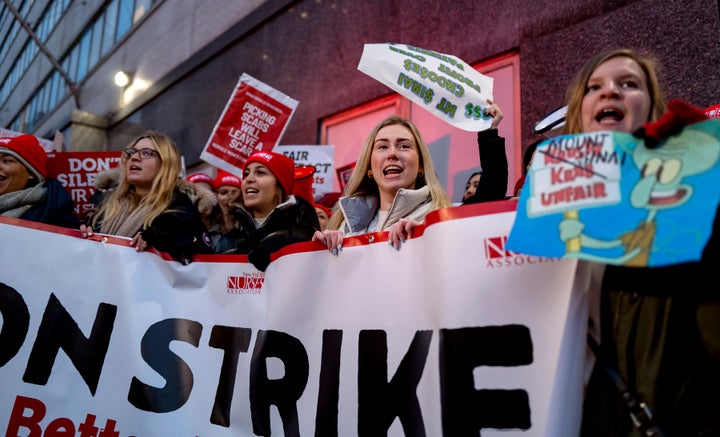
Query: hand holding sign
[[444, 85]]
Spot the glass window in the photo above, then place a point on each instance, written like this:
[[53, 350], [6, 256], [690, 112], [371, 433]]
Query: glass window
[[109, 29], [5, 17], [125, 14], [72, 63], [95, 43], [100, 36], [45, 25], [141, 8], [64, 88], [31, 114], [54, 89], [84, 54], [65, 65], [42, 30], [27, 54], [43, 99]]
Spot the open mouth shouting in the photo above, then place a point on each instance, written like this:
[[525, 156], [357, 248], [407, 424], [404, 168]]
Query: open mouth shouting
[[250, 192], [610, 116], [392, 170]]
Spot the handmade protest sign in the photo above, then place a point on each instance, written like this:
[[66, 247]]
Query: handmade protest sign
[[254, 118], [442, 84], [608, 198]]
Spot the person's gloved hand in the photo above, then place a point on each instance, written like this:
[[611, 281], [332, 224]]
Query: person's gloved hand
[[679, 114]]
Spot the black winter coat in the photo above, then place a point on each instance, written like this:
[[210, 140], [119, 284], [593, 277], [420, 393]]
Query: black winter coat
[[286, 224], [56, 208], [661, 331], [493, 159], [179, 231]]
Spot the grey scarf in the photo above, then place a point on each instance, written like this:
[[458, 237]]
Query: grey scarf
[[125, 224], [16, 203]]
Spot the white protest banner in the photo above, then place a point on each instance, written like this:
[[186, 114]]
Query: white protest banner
[[321, 157], [442, 84], [452, 335], [254, 118]]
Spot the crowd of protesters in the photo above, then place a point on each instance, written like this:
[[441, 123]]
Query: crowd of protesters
[[657, 326]]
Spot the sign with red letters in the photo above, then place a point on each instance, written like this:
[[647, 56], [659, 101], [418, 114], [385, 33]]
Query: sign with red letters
[[254, 119], [76, 172]]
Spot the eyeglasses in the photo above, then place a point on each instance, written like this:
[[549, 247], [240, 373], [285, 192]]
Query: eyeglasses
[[144, 153]]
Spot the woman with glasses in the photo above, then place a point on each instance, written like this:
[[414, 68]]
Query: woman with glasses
[[147, 204]]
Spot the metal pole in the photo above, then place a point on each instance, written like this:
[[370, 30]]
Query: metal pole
[[73, 88]]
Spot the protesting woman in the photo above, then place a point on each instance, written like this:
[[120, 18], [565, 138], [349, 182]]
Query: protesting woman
[[392, 187], [268, 215], [146, 204]]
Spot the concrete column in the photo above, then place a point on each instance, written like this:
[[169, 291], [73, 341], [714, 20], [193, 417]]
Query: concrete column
[[87, 132]]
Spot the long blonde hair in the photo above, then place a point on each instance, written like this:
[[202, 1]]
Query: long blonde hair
[[577, 88], [361, 185], [123, 211]]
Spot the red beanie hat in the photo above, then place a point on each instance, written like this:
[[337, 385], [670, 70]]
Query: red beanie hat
[[199, 177], [324, 208], [224, 178], [679, 114], [304, 182], [282, 167], [26, 149]]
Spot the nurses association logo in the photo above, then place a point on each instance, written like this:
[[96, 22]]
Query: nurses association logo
[[498, 256], [247, 283]]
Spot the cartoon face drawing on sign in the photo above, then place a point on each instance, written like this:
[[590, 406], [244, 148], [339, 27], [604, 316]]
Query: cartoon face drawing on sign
[[662, 185]]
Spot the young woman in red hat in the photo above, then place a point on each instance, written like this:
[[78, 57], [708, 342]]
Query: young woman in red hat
[[324, 214], [202, 180], [25, 190], [203, 195], [222, 219], [270, 216]]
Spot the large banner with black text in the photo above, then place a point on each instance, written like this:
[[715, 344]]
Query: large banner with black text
[[453, 335]]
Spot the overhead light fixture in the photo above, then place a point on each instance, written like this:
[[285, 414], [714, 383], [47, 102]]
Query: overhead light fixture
[[123, 78]]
